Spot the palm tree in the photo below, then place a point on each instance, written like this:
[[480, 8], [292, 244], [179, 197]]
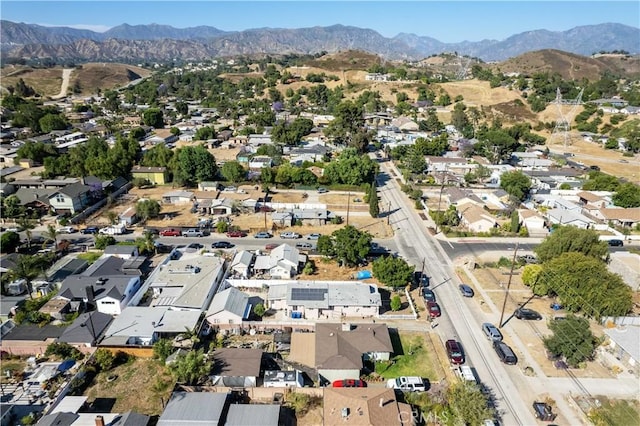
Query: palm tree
[[112, 217], [27, 225], [149, 242], [191, 367], [50, 235], [27, 268]]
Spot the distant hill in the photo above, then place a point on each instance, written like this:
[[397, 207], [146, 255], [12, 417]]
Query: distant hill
[[163, 42], [570, 66]]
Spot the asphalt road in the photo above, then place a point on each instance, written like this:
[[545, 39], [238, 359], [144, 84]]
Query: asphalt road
[[458, 318], [473, 248]]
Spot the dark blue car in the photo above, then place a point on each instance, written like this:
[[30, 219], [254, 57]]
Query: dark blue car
[[90, 230]]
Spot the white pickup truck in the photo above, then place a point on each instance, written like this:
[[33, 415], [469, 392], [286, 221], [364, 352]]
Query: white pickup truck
[[466, 373], [113, 230]]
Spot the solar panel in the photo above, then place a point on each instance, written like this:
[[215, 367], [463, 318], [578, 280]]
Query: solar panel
[[308, 293]]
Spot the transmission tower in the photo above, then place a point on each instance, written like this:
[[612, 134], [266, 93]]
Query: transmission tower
[[463, 67], [563, 122]]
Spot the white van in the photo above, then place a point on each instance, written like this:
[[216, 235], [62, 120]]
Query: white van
[[407, 383]]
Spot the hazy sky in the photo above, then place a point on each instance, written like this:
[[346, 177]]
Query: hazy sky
[[447, 21]]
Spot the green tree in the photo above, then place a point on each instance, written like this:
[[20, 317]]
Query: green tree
[[104, 358], [147, 209], [349, 118], [530, 278], [50, 235], [583, 284], [348, 245], [392, 271], [194, 164], [259, 310], [599, 181], [102, 241], [63, 350], [9, 241], [27, 268], [351, 168], [396, 303], [27, 225], [11, 206], [627, 195], [571, 239], [516, 184], [469, 404], [153, 117], [233, 171], [51, 122], [515, 221], [572, 338], [374, 208], [162, 348], [189, 368]]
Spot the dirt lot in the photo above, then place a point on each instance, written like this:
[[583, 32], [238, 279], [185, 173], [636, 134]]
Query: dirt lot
[[494, 282]]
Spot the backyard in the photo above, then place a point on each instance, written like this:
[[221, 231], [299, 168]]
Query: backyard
[[415, 356]]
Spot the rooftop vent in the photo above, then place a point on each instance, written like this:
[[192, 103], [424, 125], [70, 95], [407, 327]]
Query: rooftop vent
[[345, 412]]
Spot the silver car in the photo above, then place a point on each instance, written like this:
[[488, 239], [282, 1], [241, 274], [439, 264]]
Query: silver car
[[492, 332]]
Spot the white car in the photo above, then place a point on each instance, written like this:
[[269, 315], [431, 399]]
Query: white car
[[290, 235], [67, 230]]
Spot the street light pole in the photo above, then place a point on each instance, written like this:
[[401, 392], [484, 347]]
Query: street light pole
[[506, 294]]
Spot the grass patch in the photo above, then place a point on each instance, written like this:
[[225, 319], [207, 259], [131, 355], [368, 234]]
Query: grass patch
[[413, 360], [90, 256], [151, 380], [616, 413], [14, 365]]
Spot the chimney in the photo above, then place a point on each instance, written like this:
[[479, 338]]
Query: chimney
[[89, 293], [381, 403], [99, 421]]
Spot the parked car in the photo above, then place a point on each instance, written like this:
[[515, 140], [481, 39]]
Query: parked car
[[67, 230], [263, 234], [170, 232], [616, 243], [236, 234], [528, 258], [90, 230], [454, 351], [465, 290], [543, 412], [313, 236], [322, 190], [434, 309], [349, 383], [428, 295], [505, 353], [194, 246], [492, 332], [192, 233], [407, 383], [527, 314], [421, 279], [221, 245], [270, 246], [290, 235], [303, 245], [230, 189]]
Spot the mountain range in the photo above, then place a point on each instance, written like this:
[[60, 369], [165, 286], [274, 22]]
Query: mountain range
[[163, 42]]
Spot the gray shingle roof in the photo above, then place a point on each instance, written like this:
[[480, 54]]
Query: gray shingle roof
[[231, 300], [253, 415], [193, 409]]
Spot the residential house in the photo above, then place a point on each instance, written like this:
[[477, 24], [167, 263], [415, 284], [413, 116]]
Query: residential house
[[68, 413], [125, 252], [30, 339], [460, 197], [215, 206], [531, 220], [338, 351], [404, 124], [35, 199], [155, 175], [86, 330], [457, 165], [71, 199], [311, 153], [242, 263], [570, 217], [230, 306], [128, 217], [194, 409], [178, 197], [324, 299], [627, 218], [255, 141], [109, 294], [244, 156], [235, 367], [284, 262], [476, 219], [377, 77], [258, 162], [624, 341], [188, 283], [143, 326], [310, 216], [283, 379], [254, 415], [595, 200], [7, 189], [209, 186], [57, 308], [374, 406], [625, 264]]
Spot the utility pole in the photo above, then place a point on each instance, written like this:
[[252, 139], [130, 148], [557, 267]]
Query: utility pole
[[388, 212], [506, 294], [442, 178], [348, 199]]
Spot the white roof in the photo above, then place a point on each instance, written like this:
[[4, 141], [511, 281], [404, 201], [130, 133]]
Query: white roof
[[628, 338], [143, 322]]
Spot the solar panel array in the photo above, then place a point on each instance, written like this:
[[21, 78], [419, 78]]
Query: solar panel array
[[308, 293]]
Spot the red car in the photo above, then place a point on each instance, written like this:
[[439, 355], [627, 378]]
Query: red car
[[171, 232], [349, 383], [434, 309], [454, 352], [237, 234]]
